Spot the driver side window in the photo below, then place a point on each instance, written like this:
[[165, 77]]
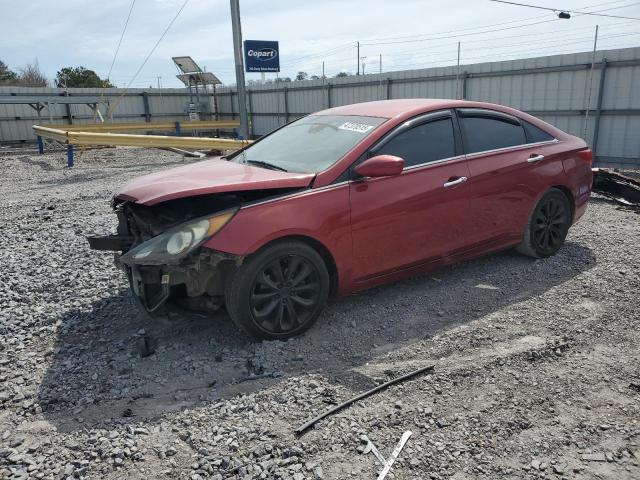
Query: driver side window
[[423, 143]]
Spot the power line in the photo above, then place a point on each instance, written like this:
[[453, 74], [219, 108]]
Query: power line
[[565, 34], [494, 24], [343, 47], [115, 55], [476, 33], [166, 30], [557, 10], [552, 37], [499, 56]]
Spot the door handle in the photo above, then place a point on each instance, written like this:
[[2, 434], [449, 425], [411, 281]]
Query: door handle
[[453, 183], [535, 158]]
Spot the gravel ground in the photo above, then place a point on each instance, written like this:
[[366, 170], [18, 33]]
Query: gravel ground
[[536, 362]]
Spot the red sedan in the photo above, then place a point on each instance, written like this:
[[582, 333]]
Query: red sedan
[[342, 200]]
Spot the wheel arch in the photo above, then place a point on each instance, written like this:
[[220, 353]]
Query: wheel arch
[[570, 198], [319, 247]]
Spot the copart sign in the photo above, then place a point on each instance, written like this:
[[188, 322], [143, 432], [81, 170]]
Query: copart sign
[[261, 56]]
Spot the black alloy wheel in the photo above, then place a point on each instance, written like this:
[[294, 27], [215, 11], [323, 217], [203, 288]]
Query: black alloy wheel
[[279, 291], [548, 225], [285, 294]]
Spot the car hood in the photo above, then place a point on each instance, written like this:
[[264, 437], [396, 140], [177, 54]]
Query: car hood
[[205, 177]]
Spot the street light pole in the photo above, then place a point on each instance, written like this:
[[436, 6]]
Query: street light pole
[[243, 129]]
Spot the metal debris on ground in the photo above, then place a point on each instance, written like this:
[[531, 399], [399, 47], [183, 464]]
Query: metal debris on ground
[[622, 189], [303, 428], [394, 455], [370, 447]]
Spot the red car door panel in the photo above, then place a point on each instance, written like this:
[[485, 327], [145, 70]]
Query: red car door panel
[[507, 173], [407, 219]]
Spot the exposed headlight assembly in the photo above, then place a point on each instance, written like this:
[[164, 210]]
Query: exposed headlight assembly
[[177, 242]]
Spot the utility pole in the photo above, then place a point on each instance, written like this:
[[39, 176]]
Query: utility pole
[[159, 78], [380, 63], [323, 71], [243, 129], [358, 58], [363, 59]]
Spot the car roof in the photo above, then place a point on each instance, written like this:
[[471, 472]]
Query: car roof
[[405, 107]]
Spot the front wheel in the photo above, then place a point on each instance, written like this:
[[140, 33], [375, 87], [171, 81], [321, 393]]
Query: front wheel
[[278, 292], [548, 225]]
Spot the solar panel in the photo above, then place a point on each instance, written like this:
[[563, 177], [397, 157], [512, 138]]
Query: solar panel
[[186, 64]]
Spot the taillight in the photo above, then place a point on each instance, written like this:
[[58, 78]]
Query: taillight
[[586, 155]]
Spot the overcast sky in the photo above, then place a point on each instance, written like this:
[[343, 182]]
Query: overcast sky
[[408, 34]]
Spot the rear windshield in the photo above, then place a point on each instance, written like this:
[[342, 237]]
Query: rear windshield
[[311, 144]]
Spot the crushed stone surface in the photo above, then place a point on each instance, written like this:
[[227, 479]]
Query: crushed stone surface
[[537, 362]]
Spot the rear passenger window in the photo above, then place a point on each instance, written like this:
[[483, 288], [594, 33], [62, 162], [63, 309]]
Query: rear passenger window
[[535, 134], [422, 144], [488, 133]]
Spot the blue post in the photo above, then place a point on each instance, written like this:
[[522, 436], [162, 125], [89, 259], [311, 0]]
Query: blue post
[[177, 129], [69, 156], [40, 145]]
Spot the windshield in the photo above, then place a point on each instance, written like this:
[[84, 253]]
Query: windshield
[[310, 144]]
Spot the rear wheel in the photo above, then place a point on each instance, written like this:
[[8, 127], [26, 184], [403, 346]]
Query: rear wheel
[[548, 225], [279, 292]]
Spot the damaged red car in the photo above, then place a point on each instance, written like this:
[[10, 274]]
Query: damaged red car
[[343, 200]]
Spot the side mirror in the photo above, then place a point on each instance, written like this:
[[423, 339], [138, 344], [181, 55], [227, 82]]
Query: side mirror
[[380, 166]]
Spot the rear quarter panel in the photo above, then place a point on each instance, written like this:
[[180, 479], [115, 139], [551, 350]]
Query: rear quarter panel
[[578, 177]]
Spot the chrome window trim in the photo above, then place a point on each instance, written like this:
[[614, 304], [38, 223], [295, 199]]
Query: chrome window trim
[[433, 162], [514, 147], [407, 169]]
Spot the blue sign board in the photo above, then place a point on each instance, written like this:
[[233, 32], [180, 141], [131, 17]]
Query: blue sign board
[[261, 56]]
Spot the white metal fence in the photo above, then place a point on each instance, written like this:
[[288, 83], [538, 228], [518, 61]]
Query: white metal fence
[[558, 89], [19, 107]]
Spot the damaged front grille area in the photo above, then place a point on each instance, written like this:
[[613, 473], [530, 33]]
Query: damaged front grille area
[[194, 282]]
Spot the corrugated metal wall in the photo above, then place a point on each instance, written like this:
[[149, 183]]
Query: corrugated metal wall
[[557, 89], [167, 104]]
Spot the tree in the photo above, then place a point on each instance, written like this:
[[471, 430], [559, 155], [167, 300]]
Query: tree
[[301, 76], [342, 74], [31, 76], [6, 75], [282, 79], [80, 77], [315, 77]]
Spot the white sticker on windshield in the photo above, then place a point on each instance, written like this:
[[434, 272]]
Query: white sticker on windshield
[[356, 127]]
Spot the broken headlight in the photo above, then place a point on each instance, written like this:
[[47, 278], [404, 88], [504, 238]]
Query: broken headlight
[[177, 242]]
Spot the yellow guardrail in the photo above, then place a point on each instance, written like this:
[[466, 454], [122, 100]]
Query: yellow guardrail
[[153, 126], [72, 137]]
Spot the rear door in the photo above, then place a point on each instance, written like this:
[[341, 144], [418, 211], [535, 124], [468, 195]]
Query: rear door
[[407, 219], [509, 160]]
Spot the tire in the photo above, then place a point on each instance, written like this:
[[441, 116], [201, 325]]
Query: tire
[[278, 292], [548, 225]]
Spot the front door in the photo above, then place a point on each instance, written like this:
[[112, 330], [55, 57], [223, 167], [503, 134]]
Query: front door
[[422, 214]]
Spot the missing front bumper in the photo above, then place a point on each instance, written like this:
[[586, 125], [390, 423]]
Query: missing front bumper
[[196, 284], [150, 293]]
